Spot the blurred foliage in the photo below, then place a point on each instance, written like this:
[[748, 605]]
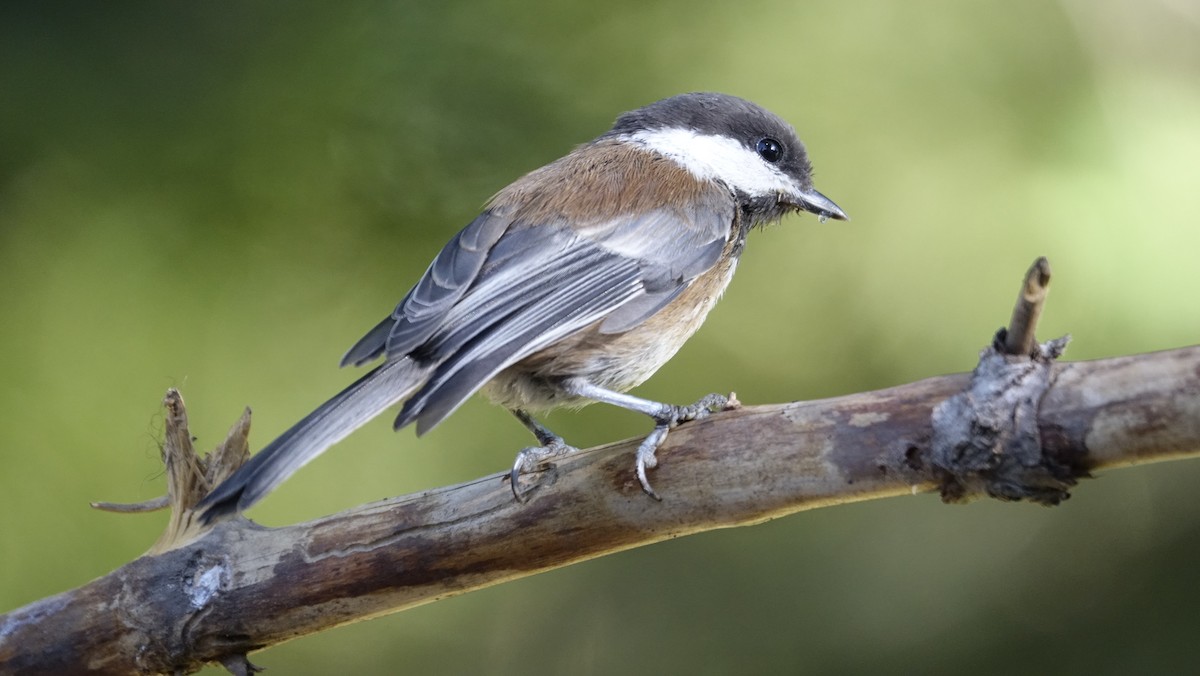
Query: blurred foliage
[[223, 196]]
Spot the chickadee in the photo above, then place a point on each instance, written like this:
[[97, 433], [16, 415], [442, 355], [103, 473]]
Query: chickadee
[[576, 283]]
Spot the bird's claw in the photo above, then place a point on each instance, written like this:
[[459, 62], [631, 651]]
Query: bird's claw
[[647, 460], [673, 416], [700, 409], [531, 459]]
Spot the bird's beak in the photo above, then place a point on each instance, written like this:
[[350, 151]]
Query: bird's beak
[[812, 201]]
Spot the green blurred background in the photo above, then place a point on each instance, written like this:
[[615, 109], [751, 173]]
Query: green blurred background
[[222, 197]]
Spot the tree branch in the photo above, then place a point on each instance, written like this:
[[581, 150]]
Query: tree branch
[[215, 594], [240, 587]]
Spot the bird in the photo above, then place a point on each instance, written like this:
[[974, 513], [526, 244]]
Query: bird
[[574, 284]]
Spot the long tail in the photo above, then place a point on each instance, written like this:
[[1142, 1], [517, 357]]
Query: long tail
[[333, 421]]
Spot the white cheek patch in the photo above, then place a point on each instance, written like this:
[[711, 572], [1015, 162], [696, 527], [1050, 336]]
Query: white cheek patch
[[718, 158]]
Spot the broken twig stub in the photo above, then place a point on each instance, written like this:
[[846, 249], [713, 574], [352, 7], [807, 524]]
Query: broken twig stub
[[986, 439]]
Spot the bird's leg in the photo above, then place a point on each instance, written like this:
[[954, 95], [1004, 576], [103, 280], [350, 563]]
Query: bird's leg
[[665, 417], [530, 459]]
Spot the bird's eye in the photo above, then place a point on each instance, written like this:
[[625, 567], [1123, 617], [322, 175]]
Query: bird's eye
[[769, 149]]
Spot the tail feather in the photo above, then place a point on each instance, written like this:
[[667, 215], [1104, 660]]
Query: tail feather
[[333, 421]]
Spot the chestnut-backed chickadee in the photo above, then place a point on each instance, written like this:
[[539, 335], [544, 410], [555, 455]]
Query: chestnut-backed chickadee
[[575, 284]]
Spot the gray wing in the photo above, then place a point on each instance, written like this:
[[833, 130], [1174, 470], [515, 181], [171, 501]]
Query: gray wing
[[540, 283], [442, 285], [672, 248]]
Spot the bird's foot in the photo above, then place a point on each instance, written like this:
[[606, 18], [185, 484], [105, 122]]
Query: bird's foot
[[534, 458], [700, 409], [672, 416], [646, 458]]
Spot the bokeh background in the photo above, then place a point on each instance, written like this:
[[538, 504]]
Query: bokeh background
[[223, 196]]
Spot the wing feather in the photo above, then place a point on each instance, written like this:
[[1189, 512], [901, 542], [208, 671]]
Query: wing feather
[[445, 281]]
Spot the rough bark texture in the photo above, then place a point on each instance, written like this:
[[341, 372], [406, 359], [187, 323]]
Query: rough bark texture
[[209, 595]]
